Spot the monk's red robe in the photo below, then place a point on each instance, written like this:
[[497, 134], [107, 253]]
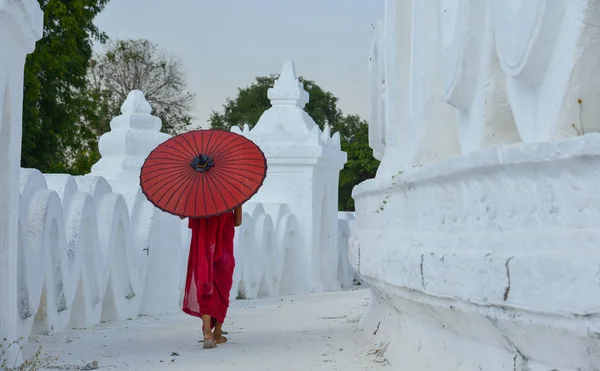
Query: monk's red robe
[[210, 267]]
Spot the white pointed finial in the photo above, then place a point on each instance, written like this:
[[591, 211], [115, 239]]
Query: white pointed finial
[[288, 90], [326, 134], [136, 103]]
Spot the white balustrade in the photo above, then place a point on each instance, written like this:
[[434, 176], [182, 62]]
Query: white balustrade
[[92, 248]]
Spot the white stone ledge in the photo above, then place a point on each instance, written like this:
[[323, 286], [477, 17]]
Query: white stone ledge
[[489, 159], [431, 333], [533, 218], [540, 272], [508, 237]]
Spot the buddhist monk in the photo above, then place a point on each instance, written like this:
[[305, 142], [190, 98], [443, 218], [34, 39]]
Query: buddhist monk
[[210, 273]]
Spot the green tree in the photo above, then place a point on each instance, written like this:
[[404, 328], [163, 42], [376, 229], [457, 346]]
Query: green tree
[[361, 164], [252, 101], [55, 105], [128, 65]]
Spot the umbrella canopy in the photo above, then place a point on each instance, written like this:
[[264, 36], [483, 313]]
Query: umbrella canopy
[[203, 173]]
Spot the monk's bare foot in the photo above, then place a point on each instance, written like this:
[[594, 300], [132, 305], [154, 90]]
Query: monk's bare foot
[[209, 341], [219, 338]]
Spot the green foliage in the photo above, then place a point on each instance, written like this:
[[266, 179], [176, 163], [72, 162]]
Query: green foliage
[[252, 101], [361, 164], [54, 106]]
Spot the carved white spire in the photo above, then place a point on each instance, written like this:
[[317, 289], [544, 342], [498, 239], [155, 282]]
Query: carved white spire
[[135, 115], [286, 121], [288, 89], [134, 134], [136, 103]]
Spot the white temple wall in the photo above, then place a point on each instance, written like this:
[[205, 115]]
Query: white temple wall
[[481, 249], [20, 27]]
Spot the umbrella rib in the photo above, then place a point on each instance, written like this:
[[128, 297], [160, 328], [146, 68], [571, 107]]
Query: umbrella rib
[[223, 179], [168, 165], [241, 174], [210, 177], [233, 148], [173, 173], [204, 195], [228, 169], [216, 144], [164, 160], [176, 140], [205, 148], [195, 196], [250, 151], [245, 177], [196, 142], [158, 151], [253, 191], [189, 181], [234, 166], [229, 143], [160, 182], [240, 182], [165, 170], [169, 189], [185, 139], [236, 171], [212, 195], [242, 157], [190, 176], [239, 162]]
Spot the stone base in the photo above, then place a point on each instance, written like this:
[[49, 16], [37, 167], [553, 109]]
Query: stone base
[[419, 332], [487, 261]]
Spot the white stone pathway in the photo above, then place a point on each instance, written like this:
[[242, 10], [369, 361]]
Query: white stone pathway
[[311, 332]]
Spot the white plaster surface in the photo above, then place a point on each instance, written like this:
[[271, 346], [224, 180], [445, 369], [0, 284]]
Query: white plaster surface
[[487, 244], [304, 164], [481, 245], [21, 25], [307, 332]]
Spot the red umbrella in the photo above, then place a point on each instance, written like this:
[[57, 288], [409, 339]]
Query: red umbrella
[[203, 173]]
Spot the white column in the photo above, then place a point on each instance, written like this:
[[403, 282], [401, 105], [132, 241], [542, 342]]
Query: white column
[[304, 164], [21, 24]]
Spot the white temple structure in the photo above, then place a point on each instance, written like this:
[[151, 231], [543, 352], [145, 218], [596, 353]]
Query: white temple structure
[[480, 232], [304, 165], [78, 250], [20, 27]]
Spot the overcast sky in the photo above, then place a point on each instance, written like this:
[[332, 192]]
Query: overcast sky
[[224, 44]]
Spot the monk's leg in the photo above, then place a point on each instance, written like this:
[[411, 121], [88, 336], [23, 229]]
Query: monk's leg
[[209, 339], [218, 333]]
